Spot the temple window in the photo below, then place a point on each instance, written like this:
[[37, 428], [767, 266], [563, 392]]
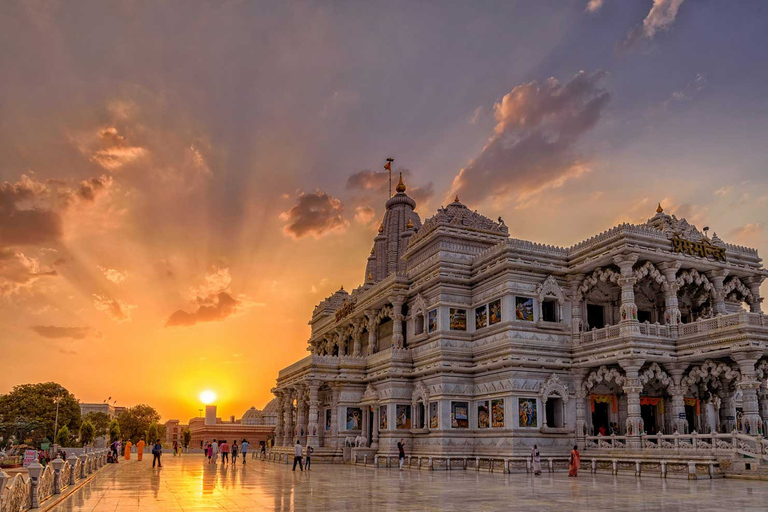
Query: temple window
[[549, 310], [644, 316], [420, 414], [554, 412], [595, 316], [419, 324], [385, 334]]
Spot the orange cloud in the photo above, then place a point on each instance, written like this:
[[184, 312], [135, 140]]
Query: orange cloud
[[116, 309], [364, 214], [56, 332]]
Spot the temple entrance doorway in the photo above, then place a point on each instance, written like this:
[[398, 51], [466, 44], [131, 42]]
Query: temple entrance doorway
[[600, 418], [648, 413], [690, 416]]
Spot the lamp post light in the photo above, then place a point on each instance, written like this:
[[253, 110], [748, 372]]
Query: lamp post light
[[56, 400]]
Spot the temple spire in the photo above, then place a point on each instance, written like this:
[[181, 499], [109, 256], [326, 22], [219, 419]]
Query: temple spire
[[659, 209], [400, 185]]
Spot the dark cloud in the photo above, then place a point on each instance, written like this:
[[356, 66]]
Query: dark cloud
[[213, 308], [316, 214], [368, 180], [56, 332], [88, 189], [23, 220], [532, 149], [422, 194]]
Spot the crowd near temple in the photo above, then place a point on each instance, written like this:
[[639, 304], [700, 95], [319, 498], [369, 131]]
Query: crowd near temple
[[463, 340]]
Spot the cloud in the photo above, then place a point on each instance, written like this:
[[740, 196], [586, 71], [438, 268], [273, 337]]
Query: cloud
[[214, 301], [368, 180], [378, 181], [56, 332], [364, 214], [316, 214], [476, 115], [532, 147], [19, 271], [88, 189], [115, 153], [116, 309], [748, 233], [422, 194], [691, 89], [113, 275], [25, 219], [594, 5], [660, 19]]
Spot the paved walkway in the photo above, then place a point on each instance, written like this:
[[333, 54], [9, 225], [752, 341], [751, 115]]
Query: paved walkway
[[186, 483]]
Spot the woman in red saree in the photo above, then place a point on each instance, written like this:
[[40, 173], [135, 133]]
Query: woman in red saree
[[574, 462]]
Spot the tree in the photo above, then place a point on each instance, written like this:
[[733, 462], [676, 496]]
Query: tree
[[62, 437], [152, 433], [114, 431], [34, 404], [135, 421], [86, 432], [100, 422], [187, 437]]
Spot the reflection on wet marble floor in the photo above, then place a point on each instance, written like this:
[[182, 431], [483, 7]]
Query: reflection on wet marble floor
[[186, 483]]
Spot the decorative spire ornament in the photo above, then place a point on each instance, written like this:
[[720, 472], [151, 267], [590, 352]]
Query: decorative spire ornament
[[400, 185], [659, 209]]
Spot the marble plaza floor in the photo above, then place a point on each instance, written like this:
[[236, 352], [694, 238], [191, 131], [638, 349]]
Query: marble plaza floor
[[187, 484]]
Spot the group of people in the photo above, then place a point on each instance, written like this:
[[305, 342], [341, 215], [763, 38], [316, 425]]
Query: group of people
[[117, 446], [297, 456], [574, 461], [213, 449]]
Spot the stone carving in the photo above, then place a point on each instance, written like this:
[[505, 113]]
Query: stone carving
[[550, 288], [709, 369], [655, 372], [604, 374], [554, 386]]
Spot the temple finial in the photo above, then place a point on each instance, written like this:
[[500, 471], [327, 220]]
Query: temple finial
[[381, 227], [456, 199], [410, 224], [400, 186], [370, 276], [659, 209]]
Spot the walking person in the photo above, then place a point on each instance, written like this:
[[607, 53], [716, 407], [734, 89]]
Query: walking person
[[175, 448], [209, 452], [234, 452], [310, 450], [157, 451], [128, 450], [574, 462], [263, 450], [536, 458], [297, 456], [401, 453], [215, 452], [244, 448], [140, 449], [224, 449]]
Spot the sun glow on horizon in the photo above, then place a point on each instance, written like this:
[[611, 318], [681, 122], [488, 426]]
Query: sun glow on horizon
[[207, 397]]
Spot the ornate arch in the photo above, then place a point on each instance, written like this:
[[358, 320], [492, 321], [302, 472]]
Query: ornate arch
[[733, 285], [692, 276], [370, 394], [603, 374], [656, 372], [419, 306], [599, 274], [550, 289], [554, 386], [420, 392], [709, 369], [648, 269]]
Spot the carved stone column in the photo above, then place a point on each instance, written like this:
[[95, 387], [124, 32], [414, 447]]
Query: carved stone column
[[577, 301], [633, 387], [334, 417], [726, 407], [716, 277], [280, 419], [628, 308], [749, 385], [373, 338], [314, 404], [300, 429], [357, 338], [398, 340], [679, 418], [288, 431], [762, 397], [672, 314], [754, 287], [376, 423], [581, 406]]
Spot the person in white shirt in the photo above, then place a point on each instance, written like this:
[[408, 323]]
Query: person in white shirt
[[215, 451], [297, 456], [244, 448]]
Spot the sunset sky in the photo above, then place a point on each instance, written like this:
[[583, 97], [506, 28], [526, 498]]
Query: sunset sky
[[181, 182]]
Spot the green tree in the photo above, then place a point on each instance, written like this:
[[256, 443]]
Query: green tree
[[153, 433], [135, 421], [86, 432], [35, 406], [114, 431], [100, 422], [62, 437], [187, 437]]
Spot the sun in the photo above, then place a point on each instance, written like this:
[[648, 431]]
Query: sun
[[207, 397]]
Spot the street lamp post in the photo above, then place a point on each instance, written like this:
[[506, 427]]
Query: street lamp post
[[56, 400]]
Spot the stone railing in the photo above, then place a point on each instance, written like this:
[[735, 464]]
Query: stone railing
[[699, 444], [700, 326], [489, 464], [22, 493]]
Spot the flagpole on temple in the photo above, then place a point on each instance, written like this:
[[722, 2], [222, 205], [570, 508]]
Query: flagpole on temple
[[388, 166]]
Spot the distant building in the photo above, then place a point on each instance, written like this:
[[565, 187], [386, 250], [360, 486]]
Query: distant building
[[255, 426], [109, 409], [174, 431]]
